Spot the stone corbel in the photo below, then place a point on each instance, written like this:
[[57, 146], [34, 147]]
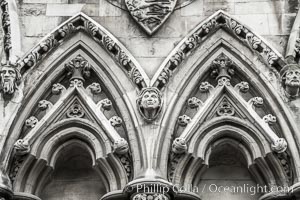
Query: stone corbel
[[10, 79], [290, 80], [150, 103]]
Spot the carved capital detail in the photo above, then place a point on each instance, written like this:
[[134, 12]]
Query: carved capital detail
[[149, 103], [21, 147]]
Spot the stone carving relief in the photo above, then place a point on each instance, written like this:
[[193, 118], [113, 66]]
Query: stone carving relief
[[150, 14], [75, 111], [154, 196], [10, 79], [149, 103], [290, 80], [6, 27], [225, 109]]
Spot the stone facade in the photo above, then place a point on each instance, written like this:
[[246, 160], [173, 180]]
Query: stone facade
[[150, 100]]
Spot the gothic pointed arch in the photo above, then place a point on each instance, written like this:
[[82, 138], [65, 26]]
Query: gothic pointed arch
[[251, 82], [80, 103]]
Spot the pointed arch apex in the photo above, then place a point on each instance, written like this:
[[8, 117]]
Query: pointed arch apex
[[195, 38], [82, 22]]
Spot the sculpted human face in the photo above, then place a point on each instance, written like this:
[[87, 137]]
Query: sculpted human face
[[8, 79], [293, 78], [150, 100]]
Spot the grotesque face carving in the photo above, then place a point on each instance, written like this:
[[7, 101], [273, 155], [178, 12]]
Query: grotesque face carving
[[10, 78], [290, 76], [150, 103]]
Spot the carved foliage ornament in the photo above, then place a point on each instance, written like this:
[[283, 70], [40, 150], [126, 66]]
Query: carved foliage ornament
[[150, 14], [290, 80], [149, 103], [10, 78]]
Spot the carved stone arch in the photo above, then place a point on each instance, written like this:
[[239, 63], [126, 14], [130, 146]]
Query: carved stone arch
[[115, 85], [48, 147], [105, 68], [251, 68]]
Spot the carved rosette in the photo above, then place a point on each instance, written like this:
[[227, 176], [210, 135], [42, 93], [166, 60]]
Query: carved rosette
[[31, 122], [150, 103], [116, 121], [75, 111], [21, 147], [225, 109]]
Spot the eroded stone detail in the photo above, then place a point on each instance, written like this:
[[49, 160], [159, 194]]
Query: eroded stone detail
[[10, 79], [270, 119], [155, 196], [105, 104], [31, 122], [284, 160], [179, 146], [45, 105], [94, 88], [76, 83], [120, 146], [58, 89], [149, 103], [222, 67], [21, 147], [78, 68], [205, 87], [256, 102], [184, 120], [136, 76], [6, 28], [116, 121], [242, 87], [225, 109], [194, 102], [290, 80], [75, 111], [150, 15], [279, 145]]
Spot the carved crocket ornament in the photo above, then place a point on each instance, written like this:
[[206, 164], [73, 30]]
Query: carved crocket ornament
[[290, 80], [10, 79], [149, 103]]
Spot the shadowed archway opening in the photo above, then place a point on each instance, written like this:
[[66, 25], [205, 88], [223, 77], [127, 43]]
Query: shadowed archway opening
[[73, 177], [227, 176]]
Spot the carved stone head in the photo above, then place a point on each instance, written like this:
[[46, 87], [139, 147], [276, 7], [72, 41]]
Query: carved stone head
[[290, 77], [10, 78], [149, 103]]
